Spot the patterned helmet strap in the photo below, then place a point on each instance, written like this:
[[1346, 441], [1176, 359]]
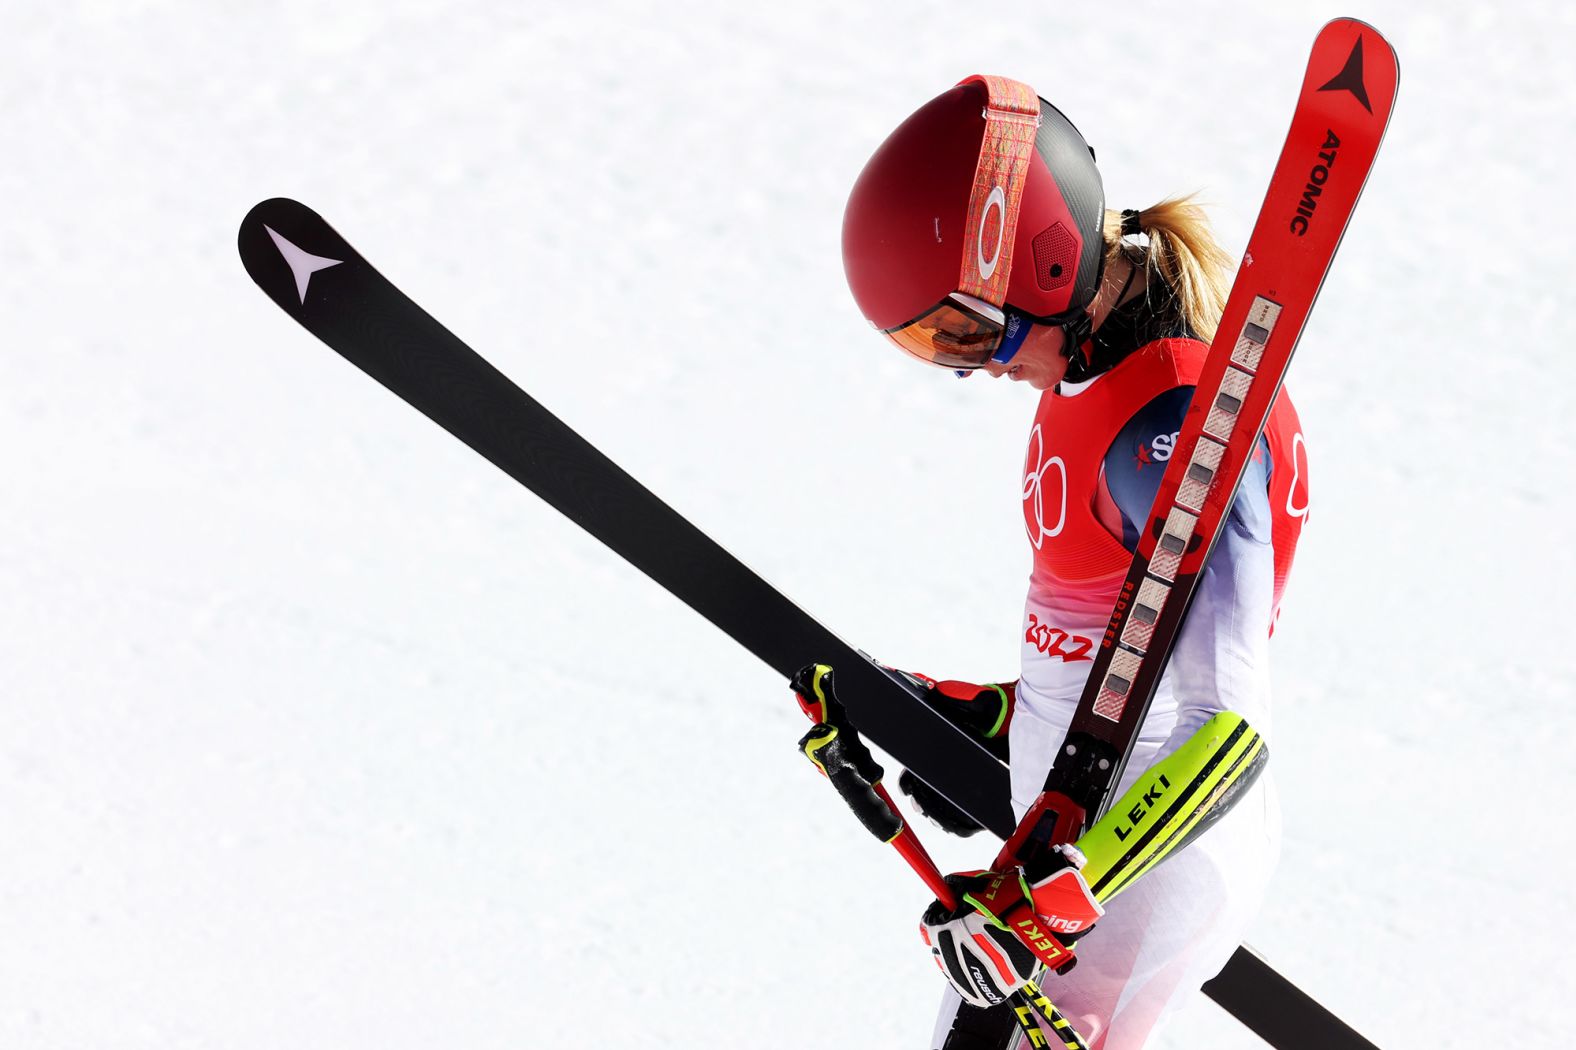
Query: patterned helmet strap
[[1012, 115]]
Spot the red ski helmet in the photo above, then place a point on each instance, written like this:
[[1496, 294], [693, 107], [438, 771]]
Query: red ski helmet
[[986, 199]]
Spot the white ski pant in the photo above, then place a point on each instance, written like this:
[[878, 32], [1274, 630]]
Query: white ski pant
[[1167, 934]]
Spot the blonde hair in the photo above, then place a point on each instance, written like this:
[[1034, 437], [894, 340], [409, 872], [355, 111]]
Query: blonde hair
[[1183, 254]]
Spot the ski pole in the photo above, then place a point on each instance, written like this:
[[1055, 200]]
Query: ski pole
[[834, 746]]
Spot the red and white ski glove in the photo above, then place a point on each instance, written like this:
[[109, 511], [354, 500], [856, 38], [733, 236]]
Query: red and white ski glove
[[1005, 928]]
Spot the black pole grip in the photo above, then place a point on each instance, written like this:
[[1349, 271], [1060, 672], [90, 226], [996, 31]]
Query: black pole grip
[[842, 756]]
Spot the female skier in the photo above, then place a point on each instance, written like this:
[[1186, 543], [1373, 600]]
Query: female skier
[[976, 239]]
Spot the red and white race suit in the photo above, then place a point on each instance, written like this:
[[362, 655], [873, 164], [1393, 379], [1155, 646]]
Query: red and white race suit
[[1096, 453]]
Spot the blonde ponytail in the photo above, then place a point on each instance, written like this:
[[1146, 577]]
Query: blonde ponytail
[[1183, 254]]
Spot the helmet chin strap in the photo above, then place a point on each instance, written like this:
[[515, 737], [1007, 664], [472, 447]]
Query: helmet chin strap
[[1078, 333]]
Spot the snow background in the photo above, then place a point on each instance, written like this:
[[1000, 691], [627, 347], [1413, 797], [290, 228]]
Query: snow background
[[315, 731]]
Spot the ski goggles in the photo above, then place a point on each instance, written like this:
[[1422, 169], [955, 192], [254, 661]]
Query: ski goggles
[[971, 327], [963, 333]]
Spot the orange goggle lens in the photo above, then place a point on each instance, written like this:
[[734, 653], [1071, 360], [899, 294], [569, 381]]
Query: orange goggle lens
[[960, 332]]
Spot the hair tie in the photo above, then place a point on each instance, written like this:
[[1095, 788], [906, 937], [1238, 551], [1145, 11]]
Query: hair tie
[[1130, 226]]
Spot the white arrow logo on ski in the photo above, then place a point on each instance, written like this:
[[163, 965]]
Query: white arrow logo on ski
[[302, 263]]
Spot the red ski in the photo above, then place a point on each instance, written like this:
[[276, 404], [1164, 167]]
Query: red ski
[[1339, 123]]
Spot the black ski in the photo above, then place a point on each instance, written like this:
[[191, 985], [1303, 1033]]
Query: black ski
[[320, 280], [315, 276]]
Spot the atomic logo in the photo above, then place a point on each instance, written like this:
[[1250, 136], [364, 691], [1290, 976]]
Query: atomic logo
[[1350, 78], [303, 264], [1034, 517]]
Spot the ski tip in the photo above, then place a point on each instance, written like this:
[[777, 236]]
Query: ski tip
[[1355, 27], [279, 202], [273, 211], [1347, 20], [1353, 59], [283, 244]]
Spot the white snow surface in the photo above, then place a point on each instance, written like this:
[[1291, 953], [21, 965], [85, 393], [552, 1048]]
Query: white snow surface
[[317, 731]]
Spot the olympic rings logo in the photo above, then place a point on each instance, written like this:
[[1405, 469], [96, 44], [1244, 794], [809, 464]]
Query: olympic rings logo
[[1034, 492]]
